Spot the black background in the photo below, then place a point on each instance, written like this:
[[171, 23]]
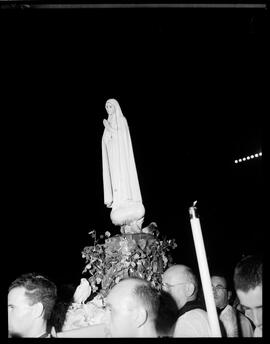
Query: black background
[[190, 83]]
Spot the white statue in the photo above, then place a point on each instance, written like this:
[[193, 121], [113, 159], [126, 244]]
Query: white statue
[[120, 180]]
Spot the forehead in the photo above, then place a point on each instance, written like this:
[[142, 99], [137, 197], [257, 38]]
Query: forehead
[[218, 280], [252, 298], [17, 296], [109, 104]]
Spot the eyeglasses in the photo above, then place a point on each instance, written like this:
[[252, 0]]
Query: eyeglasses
[[168, 285], [218, 287]]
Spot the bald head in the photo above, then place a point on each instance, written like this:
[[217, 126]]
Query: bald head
[[181, 283], [179, 274], [124, 292], [133, 306]]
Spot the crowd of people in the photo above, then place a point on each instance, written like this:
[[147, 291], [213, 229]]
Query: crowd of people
[[135, 309]]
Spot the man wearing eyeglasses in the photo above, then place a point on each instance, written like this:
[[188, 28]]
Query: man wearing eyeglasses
[[182, 284], [233, 323]]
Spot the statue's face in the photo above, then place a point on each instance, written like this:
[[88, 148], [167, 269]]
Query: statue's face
[[109, 108]]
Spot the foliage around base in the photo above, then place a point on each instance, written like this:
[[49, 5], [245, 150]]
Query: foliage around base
[[128, 255]]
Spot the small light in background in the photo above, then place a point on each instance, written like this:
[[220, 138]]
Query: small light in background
[[257, 155]]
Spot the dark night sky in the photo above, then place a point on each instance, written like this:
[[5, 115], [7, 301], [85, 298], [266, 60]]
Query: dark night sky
[[188, 82]]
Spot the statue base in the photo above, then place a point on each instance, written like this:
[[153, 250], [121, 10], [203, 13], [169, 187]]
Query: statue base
[[129, 216]]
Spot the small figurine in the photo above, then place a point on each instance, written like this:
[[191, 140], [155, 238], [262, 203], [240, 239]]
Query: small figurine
[[82, 292]]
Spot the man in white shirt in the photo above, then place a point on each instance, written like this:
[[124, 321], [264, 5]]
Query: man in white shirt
[[182, 284], [234, 322]]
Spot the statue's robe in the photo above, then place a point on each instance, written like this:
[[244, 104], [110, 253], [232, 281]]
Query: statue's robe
[[120, 179]]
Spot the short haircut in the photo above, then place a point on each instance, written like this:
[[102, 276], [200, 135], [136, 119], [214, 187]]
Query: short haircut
[[149, 297], [38, 289], [225, 276], [248, 273]]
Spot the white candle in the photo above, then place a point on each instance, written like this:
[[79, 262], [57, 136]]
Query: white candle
[[204, 273]]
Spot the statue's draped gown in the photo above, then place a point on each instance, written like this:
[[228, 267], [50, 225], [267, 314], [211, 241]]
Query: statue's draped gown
[[120, 178]]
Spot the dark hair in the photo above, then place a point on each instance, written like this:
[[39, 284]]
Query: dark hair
[[64, 299], [149, 297], [223, 274], [38, 289], [248, 273], [167, 314]]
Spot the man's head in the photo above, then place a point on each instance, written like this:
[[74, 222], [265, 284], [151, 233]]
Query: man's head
[[181, 283], [132, 307], [221, 292], [248, 287], [31, 299]]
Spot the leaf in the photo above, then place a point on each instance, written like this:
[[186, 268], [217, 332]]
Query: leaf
[[165, 260]]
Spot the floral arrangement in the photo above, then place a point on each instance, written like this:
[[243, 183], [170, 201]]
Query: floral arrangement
[[85, 314], [142, 255]]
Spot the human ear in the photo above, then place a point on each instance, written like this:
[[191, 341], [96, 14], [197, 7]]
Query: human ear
[[38, 309], [141, 316], [190, 289]]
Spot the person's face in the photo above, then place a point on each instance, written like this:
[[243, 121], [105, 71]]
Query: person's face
[[109, 108], [120, 320], [220, 291], [251, 303], [20, 313], [176, 288]]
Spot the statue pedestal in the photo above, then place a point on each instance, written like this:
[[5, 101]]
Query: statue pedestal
[[116, 239]]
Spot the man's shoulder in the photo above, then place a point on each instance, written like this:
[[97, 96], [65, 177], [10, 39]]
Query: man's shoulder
[[193, 323], [196, 313]]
